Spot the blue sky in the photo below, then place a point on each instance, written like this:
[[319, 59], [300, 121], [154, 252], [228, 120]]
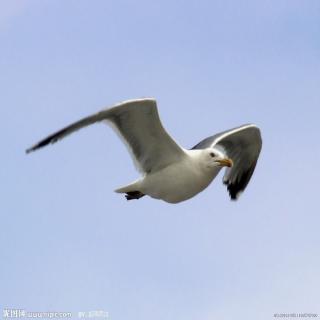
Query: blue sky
[[68, 243]]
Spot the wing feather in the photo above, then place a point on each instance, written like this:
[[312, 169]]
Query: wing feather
[[242, 145], [138, 123]]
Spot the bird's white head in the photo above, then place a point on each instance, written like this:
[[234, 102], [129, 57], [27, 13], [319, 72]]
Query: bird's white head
[[214, 158]]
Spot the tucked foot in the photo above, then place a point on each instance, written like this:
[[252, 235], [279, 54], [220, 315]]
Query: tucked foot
[[134, 195]]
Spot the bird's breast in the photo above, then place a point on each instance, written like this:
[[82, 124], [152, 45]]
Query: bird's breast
[[176, 182]]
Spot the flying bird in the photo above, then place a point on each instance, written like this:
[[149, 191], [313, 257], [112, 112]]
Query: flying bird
[[170, 172]]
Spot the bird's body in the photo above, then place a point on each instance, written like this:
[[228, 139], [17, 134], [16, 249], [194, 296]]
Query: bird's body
[[170, 172], [178, 181]]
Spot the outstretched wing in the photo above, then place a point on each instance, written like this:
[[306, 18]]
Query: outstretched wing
[[138, 123], [243, 146]]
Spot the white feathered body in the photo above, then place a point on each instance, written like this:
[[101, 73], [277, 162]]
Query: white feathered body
[[177, 182]]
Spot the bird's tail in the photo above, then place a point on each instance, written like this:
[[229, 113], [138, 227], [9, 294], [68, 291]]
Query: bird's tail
[[134, 186]]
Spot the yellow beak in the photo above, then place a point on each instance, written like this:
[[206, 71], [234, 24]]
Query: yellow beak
[[225, 162]]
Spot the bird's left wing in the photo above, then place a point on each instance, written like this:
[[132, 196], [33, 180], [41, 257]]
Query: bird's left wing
[[243, 146], [138, 123]]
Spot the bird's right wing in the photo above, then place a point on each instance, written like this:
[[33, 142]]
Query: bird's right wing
[[138, 123], [243, 146]]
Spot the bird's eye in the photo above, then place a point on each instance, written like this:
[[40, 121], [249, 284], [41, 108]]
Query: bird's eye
[[212, 154]]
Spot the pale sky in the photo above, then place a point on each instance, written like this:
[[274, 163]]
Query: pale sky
[[69, 243]]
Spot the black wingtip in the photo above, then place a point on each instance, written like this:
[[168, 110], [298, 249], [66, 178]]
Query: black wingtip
[[33, 148], [49, 140], [234, 194], [28, 150], [236, 188]]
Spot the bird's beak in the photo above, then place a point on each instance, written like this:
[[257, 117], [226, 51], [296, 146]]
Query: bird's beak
[[225, 162]]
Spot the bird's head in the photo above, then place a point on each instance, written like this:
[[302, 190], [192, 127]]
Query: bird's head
[[214, 158]]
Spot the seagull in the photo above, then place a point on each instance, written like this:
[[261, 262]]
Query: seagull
[[170, 172]]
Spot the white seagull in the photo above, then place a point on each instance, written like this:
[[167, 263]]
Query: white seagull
[[170, 172]]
